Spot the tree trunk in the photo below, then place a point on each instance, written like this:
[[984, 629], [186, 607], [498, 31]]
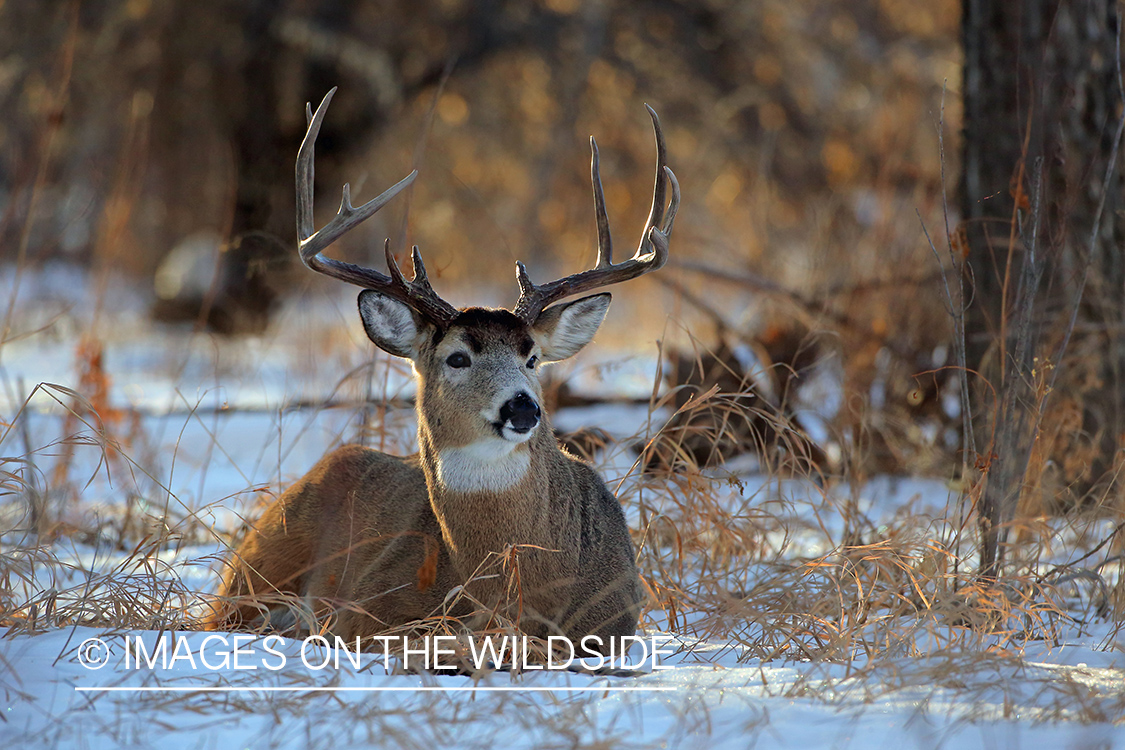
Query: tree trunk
[[1042, 221]]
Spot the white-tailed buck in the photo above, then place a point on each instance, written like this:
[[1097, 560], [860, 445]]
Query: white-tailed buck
[[373, 541]]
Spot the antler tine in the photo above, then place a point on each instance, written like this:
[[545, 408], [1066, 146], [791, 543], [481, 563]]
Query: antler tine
[[605, 242], [652, 252], [417, 294]]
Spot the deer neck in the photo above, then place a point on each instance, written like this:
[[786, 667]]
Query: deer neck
[[490, 493], [488, 466]]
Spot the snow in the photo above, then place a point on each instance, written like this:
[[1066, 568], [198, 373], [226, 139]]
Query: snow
[[221, 422], [707, 698]]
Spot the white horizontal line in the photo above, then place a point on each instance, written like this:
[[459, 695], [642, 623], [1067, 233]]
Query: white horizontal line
[[419, 689]]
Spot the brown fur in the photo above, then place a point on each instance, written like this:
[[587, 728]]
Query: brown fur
[[372, 541]]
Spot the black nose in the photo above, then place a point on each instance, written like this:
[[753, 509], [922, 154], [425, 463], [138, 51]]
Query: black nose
[[521, 412]]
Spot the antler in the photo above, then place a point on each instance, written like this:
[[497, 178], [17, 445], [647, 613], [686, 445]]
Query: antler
[[534, 298], [417, 294]]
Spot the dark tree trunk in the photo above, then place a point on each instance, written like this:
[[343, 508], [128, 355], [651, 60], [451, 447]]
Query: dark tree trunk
[[1042, 109]]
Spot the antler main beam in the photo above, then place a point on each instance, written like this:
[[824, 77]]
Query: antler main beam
[[416, 294], [652, 253]]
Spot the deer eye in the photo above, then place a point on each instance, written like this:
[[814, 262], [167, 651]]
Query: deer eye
[[458, 360], [532, 362]]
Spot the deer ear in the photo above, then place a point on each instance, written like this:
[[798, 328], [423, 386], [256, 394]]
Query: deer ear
[[390, 324], [564, 329]]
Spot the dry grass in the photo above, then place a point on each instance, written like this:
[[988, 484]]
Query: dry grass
[[775, 568], [782, 568], [720, 558]]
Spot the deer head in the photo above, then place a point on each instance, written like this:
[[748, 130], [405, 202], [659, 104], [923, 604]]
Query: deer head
[[484, 362]]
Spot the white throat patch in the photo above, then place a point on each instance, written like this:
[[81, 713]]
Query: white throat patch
[[484, 466]]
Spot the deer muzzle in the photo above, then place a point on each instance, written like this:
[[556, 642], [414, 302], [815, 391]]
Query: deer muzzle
[[520, 413]]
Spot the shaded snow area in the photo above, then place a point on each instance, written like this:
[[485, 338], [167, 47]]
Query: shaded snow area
[[787, 612]]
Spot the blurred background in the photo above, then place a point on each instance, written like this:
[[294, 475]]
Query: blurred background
[[156, 140], [147, 154], [805, 135]]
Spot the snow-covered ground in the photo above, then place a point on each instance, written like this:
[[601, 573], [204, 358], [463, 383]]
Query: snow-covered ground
[[705, 699], [208, 425]]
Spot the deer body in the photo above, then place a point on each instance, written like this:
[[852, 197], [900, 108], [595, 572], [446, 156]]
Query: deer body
[[375, 541]]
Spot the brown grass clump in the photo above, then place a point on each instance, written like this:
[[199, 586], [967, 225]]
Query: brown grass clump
[[141, 592], [723, 410]]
